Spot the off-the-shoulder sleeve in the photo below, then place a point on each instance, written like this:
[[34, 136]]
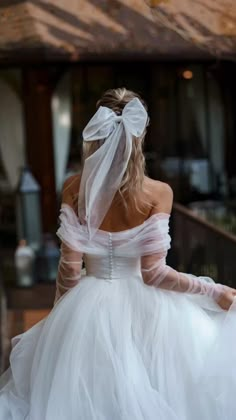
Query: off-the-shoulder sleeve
[[75, 235], [157, 273]]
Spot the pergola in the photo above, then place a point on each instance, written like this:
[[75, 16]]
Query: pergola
[[37, 35], [74, 30]]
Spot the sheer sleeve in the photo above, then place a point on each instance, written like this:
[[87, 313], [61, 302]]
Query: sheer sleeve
[[157, 273], [69, 270], [70, 263]]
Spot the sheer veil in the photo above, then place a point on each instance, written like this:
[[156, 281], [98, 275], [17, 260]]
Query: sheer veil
[[103, 170]]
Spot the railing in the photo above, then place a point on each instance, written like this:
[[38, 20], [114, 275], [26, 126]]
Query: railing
[[200, 248]]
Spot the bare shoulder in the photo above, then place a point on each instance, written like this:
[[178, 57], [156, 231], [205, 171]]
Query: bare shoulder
[[162, 196], [71, 183], [70, 188]]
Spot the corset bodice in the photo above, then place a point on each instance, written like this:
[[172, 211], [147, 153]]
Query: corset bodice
[[109, 254], [111, 267]]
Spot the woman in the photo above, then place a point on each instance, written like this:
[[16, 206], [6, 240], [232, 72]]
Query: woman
[[132, 338]]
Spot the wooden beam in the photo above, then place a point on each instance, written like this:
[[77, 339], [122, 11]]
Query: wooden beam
[[37, 94]]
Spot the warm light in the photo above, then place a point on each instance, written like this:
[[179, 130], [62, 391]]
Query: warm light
[[187, 74]]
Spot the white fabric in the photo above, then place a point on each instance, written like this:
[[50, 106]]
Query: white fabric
[[61, 119], [103, 170], [69, 270], [115, 348], [156, 273]]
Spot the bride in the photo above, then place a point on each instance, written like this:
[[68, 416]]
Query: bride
[[130, 338]]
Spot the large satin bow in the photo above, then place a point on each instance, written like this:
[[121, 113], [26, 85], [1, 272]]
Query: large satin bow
[[103, 170], [104, 122]]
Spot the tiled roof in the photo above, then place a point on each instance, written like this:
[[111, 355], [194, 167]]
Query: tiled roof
[[81, 29]]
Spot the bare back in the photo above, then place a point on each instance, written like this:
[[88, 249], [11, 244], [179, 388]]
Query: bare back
[[156, 197]]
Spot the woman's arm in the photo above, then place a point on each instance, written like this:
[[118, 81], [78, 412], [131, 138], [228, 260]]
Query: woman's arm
[[70, 264], [69, 270], [157, 273]]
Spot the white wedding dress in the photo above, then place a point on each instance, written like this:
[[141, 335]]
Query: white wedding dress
[[115, 348]]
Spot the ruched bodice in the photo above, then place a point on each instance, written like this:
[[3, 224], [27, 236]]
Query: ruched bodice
[[112, 255], [107, 255], [150, 237], [110, 267]]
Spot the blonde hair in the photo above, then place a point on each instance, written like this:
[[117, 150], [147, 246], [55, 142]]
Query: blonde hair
[[132, 182]]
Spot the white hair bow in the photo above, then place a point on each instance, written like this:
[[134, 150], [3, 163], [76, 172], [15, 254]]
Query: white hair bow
[[105, 121], [103, 170]]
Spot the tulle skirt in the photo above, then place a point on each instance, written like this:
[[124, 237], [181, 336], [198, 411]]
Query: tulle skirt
[[122, 350]]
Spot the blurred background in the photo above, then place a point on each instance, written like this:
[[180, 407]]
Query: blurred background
[[56, 59]]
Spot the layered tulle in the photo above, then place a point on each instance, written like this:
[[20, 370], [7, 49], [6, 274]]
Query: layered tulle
[[124, 350], [115, 348]]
